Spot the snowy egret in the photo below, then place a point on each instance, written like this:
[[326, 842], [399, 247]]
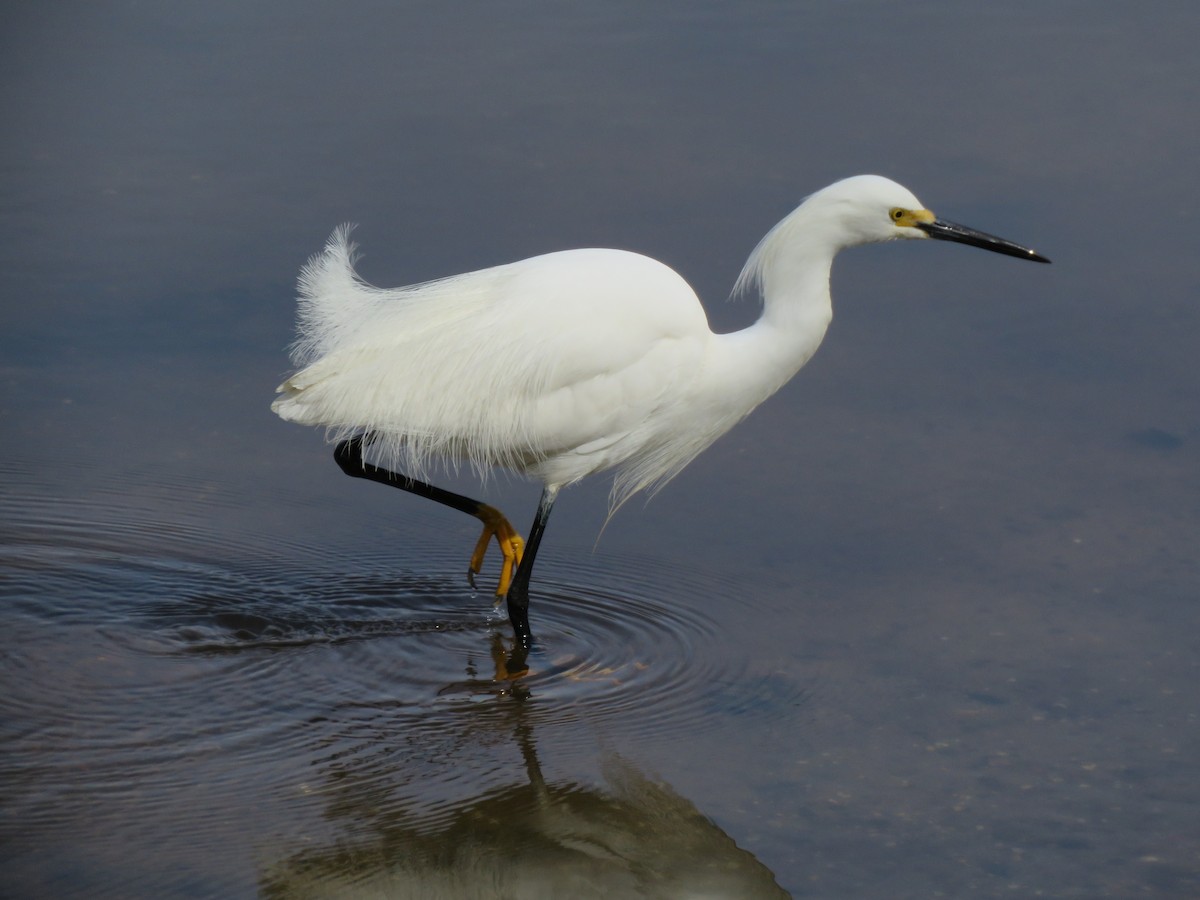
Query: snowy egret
[[574, 362]]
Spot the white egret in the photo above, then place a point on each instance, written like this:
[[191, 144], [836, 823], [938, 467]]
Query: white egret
[[570, 363]]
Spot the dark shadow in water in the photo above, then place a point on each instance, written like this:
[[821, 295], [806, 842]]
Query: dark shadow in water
[[532, 838]]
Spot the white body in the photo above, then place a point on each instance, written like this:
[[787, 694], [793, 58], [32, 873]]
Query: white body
[[570, 363]]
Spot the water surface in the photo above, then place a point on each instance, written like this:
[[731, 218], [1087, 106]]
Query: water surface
[[924, 625]]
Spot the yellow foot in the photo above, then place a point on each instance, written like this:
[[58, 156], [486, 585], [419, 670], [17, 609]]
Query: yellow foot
[[511, 544]]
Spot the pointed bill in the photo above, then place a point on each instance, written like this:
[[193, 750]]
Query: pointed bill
[[961, 234]]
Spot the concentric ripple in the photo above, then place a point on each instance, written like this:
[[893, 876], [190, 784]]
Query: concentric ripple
[[611, 640], [160, 670]]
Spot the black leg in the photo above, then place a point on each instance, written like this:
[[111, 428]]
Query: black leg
[[518, 592], [349, 457]]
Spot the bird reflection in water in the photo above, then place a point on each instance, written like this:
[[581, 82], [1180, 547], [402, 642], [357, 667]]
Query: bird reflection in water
[[632, 836]]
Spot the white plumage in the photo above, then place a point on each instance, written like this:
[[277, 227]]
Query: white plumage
[[501, 367], [571, 363]]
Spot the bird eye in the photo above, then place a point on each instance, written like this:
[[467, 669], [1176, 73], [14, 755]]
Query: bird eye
[[897, 214]]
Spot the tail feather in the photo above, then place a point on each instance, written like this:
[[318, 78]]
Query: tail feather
[[391, 362], [331, 297]]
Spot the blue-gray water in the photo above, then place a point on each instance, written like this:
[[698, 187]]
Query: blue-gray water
[[925, 625]]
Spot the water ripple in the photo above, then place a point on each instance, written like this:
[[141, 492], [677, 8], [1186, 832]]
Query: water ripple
[[147, 657]]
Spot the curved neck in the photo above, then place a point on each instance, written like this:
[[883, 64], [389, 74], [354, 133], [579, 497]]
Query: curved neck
[[754, 363]]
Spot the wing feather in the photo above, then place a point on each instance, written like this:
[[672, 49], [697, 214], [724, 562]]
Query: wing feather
[[559, 358]]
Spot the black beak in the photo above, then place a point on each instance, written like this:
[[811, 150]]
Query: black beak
[[948, 231]]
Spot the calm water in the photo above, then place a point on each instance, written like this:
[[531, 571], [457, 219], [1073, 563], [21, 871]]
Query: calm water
[[925, 625]]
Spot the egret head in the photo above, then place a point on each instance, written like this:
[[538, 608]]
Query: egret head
[[873, 208], [863, 209]]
